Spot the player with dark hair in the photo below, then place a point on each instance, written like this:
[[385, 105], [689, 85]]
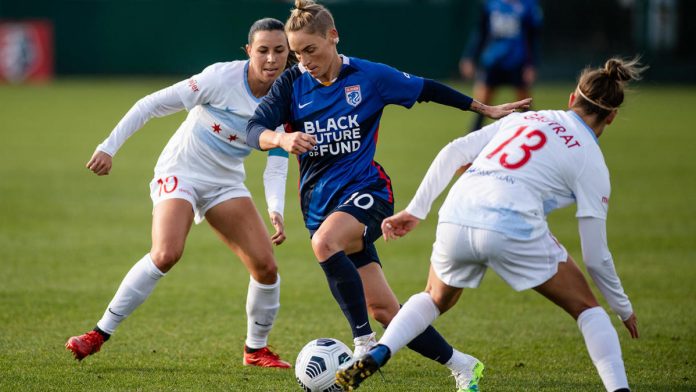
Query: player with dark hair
[[522, 168], [505, 48], [200, 175], [331, 105]]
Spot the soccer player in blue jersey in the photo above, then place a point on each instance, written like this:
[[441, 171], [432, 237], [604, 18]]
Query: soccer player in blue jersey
[[505, 48], [331, 106], [521, 169]]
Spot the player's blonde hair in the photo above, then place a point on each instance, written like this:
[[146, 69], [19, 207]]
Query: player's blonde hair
[[601, 90], [310, 17]]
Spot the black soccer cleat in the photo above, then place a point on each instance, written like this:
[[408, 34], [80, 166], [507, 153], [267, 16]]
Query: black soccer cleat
[[349, 378]]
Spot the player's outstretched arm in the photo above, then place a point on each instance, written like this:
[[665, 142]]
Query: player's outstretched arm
[[500, 111], [600, 266], [398, 225], [294, 143], [100, 163]]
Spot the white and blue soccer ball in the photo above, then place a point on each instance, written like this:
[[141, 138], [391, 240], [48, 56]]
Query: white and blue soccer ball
[[317, 363]]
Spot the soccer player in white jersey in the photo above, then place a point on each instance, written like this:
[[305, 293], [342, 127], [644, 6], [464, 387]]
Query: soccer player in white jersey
[[200, 175], [522, 167]]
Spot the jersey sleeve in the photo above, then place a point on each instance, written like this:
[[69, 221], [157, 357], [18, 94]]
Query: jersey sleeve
[[274, 178], [478, 37], [158, 104], [200, 88], [592, 189], [456, 154], [394, 86], [274, 109], [533, 22], [600, 265]]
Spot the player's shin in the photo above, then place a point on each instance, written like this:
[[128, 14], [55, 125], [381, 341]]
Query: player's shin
[[133, 291], [346, 287], [412, 320], [263, 303], [602, 343]]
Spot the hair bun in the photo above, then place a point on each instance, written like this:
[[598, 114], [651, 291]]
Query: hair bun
[[623, 71], [303, 4]]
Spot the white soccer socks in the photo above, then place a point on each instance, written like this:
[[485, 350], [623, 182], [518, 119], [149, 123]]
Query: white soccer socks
[[413, 318], [263, 302], [134, 289], [602, 343]]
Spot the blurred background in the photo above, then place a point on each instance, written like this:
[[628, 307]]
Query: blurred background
[[40, 38]]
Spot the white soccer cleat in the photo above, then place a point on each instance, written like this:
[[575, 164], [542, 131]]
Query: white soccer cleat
[[363, 344], [468, 379]]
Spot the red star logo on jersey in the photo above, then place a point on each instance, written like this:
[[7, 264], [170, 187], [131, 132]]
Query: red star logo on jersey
[[216, 128], [232, 138]]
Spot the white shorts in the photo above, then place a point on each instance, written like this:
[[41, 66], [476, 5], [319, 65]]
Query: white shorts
[[461, 255], [202, 196]]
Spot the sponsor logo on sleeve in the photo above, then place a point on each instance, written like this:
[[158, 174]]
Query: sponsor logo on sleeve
[[193, 84]]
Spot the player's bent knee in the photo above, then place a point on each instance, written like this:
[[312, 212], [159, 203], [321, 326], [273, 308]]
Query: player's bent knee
[[265, 272], [165, 259], [443, 302], [323, 247], [382, 314]]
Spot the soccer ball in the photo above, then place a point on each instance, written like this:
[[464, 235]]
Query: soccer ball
[[317, 363]]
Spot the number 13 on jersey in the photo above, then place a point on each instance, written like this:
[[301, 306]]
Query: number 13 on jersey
[[535, 140]]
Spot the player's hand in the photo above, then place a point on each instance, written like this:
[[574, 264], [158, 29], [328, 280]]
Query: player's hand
[[277, 222], [529, 75], [500, 111], [297, 142], [631, 324], [467, 69], [398, 225], [100, 163]]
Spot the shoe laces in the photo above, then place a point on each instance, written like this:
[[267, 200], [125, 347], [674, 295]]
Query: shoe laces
[[365, 340], [93, 338], [265, 352]]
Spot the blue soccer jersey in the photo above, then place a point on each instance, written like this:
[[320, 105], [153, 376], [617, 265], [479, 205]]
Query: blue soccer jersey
[[344, 117], [507, 34]]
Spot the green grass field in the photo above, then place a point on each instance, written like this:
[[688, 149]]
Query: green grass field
[[68, 237]]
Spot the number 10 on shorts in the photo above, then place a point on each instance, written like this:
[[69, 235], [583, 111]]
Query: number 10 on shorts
[[364, 201]]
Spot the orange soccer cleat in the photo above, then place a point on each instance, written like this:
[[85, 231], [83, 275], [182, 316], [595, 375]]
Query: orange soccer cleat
[[264, 357], [85, 345]]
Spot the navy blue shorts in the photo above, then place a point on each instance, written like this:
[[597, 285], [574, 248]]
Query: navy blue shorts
[[371, 211], [494, 77]]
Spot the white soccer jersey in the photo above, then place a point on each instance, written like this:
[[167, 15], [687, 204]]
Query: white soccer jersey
[[210, 145], [523, 167], [534, 162]]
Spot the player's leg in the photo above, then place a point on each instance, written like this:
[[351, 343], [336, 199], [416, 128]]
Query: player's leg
[[483, 92], [416, 315], [171, 222], [569, 289], [412, 321], [239, 225], [338, 235], [383, 307]]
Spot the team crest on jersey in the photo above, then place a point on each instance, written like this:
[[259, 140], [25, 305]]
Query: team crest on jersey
[[353, 96]]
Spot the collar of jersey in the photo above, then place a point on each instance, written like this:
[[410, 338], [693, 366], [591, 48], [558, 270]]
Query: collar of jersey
[[344, 59], [246, 83], [584, 124]]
